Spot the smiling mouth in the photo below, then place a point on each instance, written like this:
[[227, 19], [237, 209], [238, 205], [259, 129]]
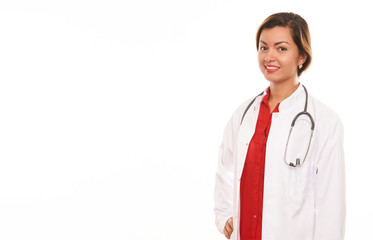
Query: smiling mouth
[[271, 68]]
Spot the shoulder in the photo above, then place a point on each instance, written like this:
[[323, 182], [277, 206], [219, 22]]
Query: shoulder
[[326, 119], [324, 112], [234, 123], [241, 111]]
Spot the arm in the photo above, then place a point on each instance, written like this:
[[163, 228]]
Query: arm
[[330, 201], [223, 194]]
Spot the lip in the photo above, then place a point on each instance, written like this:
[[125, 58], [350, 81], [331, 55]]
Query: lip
[[271, 68]]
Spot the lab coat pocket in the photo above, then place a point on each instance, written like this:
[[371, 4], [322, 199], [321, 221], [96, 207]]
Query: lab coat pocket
[[297, 152], [299, 183]]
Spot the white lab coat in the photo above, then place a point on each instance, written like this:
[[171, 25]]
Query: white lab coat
[[306, 202]]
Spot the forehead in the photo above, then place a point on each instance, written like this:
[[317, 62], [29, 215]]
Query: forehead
[[276, 34]]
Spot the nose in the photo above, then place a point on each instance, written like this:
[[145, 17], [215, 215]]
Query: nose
[[269, 56]]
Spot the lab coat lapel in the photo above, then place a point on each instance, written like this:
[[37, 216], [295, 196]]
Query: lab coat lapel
[[245, 134]]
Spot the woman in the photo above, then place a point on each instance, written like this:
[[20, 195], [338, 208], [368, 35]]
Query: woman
[[273, 182]]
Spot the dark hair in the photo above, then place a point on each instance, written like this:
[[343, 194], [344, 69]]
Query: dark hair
[[299, 32]]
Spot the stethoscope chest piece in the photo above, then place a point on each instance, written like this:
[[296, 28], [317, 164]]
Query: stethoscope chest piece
[[299, 161]]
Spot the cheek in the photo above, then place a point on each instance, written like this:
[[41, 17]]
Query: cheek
[[260, 59], [291, 63]]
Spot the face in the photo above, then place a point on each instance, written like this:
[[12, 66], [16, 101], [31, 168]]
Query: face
[[278, 55]]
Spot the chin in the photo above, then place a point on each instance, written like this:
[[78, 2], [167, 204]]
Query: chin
[[275, 80], [272, 78]]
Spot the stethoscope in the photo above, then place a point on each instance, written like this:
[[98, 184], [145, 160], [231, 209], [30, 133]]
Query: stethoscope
[[298, 162]]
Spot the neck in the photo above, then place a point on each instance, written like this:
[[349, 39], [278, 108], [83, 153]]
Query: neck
[[281, 91]]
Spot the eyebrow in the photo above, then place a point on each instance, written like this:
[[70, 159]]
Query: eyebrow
[[275, 43]]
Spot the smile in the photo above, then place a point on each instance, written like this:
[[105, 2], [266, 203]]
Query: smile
[[271, 68]]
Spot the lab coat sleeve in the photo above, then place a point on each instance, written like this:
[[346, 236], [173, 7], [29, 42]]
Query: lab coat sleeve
[[330, 193], [223, 194]]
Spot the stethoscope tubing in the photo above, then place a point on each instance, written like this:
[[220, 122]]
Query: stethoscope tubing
[[298, 163]]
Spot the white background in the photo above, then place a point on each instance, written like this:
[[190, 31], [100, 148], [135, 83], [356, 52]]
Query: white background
[[112, 112]]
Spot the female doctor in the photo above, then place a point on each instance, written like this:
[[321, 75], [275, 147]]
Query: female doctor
[[280, 172]]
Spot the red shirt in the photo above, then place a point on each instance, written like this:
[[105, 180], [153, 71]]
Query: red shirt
[[252, 179]]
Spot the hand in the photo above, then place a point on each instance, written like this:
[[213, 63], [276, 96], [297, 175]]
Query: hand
[[228, 228]]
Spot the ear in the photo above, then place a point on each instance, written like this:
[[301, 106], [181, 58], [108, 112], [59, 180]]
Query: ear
[[302, 59]]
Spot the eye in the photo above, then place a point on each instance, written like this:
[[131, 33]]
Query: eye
[[263, 48], [282, 49]]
